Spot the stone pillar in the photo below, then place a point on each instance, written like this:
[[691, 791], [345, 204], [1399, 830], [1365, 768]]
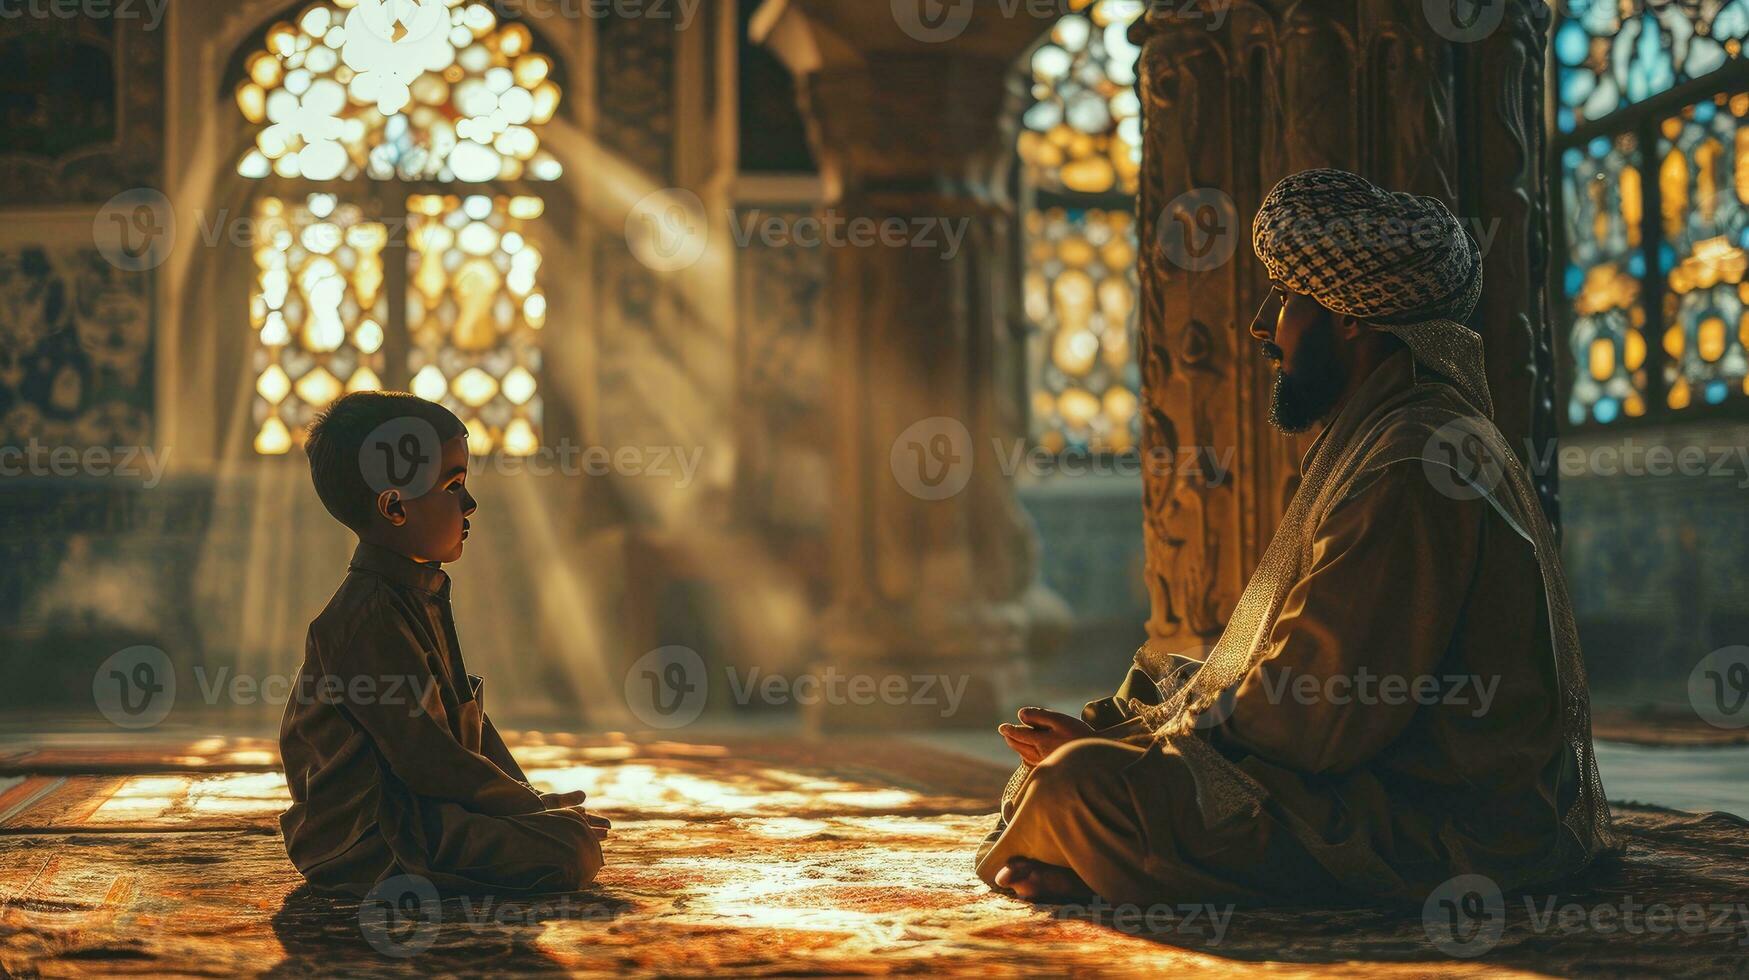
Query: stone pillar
[[1443, 99], [933, 562]]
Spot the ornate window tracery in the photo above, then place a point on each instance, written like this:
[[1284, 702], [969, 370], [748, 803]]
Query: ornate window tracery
[[449, 99]]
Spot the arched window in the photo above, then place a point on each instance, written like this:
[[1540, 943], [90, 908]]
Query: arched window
[[447, 101], [1080, 152], [1651, 100]]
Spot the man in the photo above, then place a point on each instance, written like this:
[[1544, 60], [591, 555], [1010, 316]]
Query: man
[[1398, 697]]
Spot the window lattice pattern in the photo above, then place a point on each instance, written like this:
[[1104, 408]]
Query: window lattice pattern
[[1083, 132], [468, 112], [1603, 198], [1656, 205], [1703, 180], [474, 313], [318, 309], [1613, 53], [1080, 294]]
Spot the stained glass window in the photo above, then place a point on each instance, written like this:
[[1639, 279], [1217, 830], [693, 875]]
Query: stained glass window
[[446, 93], [439, 92], [1080, 153], [1703, 181], [1083, 132], [1655, 200], [474, 311], [318, 309], [1080, 294], [1616, 52], [1604, 267]]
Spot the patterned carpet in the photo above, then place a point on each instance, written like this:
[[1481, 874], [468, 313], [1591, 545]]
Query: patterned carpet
[[769, 858]]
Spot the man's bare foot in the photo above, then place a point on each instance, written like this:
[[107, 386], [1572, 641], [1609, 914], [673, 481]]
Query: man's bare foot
[[1036, 881]]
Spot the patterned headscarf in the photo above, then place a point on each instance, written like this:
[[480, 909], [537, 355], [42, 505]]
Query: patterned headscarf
[[1401, 262]]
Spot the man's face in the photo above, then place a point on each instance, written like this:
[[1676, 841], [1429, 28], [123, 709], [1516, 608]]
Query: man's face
[[1299, 335], [437, 523]]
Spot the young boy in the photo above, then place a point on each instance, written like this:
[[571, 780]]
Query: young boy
[[393, 766]]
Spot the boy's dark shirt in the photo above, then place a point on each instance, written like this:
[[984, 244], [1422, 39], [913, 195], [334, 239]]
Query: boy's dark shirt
[[384, 702]]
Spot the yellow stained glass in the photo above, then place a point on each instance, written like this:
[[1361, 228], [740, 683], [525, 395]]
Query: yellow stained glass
[[316, 308], [332, 93], [1602, 359], [273, 439], [1679, 395], [1635, 354], [1710, 344], [474, 310], [1083, 375], [1083, 131]]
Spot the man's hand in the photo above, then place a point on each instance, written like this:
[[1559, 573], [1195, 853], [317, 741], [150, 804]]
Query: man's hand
[[1042, 732], [598, 825]]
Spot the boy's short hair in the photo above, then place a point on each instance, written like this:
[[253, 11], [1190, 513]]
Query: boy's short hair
[[336, 440]]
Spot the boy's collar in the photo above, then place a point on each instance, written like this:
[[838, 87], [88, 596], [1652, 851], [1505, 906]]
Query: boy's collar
[[400, 569]]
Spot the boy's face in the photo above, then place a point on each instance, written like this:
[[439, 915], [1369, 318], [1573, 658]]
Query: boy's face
[[432, 528]]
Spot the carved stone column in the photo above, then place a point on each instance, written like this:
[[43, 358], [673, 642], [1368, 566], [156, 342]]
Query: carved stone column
[[931, 558], [1440, 99]]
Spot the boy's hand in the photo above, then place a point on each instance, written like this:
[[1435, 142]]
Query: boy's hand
[[559, 801], [598, 825], [1042, 732]]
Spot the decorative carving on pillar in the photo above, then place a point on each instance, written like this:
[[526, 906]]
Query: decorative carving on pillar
[[930, 569], [1372, 86]]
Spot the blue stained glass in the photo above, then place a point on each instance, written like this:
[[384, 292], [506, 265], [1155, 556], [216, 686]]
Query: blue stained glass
[[1601, 276], [1571, 43], [1611, 53], [1703, 112], [1566, 120], [1732, 21], [1716, 392], [1576, 87]]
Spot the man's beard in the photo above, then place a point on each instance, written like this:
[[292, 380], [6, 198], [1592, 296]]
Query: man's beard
[[1306, 390]]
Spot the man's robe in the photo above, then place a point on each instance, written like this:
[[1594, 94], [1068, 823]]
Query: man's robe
[[1406, 719], [392, 764]]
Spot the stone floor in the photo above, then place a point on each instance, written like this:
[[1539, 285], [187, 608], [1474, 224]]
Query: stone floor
[[762, 856]]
